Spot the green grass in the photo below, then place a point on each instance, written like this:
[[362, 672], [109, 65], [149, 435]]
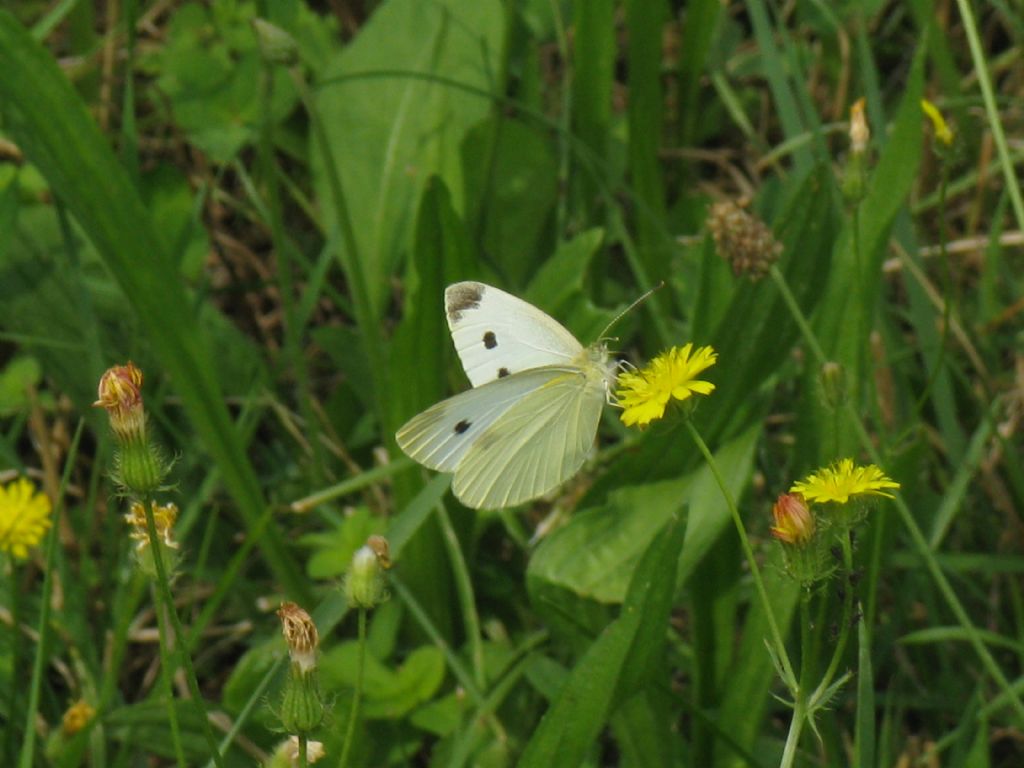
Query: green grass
[[264, 220]]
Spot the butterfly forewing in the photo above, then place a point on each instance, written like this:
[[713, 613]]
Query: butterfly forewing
[[539, 442], [498, 335]]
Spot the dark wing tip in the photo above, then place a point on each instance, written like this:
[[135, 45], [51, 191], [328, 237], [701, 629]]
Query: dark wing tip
[[458, 297]]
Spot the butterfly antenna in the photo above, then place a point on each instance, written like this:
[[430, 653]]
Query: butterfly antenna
[[630, 308]]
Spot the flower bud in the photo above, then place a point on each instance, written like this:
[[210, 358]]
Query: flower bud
[[139, 466], [302, 709], [364, 582], [855, 173], [77, 717], [832, 377], [802, 546], [860, 134], [120, 394], [794, 523], [276, 45], [300, 634]]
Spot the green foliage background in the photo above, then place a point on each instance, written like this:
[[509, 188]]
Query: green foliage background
[[261, 204]]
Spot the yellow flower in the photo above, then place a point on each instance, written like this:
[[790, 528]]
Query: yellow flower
[[24, 517], [645, 393], [843, 480], [942, 131]]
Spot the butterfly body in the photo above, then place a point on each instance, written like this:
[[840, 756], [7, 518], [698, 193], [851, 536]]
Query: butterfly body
[[530, 420]]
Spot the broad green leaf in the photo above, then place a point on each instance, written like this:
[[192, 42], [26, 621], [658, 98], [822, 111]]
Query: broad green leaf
[[388, 693]]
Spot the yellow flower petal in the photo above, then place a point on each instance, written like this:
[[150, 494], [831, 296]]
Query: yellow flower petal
[[942, 131]]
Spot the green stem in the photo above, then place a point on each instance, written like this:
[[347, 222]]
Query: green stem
[[464, 588], [11, 574], [180, 639], [779, 646], [796, 727], [357, 694], [303, 762], [166, 673], [800, 709]]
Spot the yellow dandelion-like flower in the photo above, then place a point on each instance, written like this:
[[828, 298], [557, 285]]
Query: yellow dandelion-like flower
[[843, 480], [24, 517], [942, 131], [645, 393]]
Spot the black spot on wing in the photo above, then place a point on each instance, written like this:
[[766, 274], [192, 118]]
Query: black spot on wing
[[462, 426], [490, 340], [503, 372], [460, 297]]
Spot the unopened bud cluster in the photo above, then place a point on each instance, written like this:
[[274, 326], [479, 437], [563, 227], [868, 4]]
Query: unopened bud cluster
[[743, 240]]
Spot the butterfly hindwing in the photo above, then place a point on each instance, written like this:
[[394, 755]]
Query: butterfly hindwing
[[439, 437], [535, 445], [498, 335]]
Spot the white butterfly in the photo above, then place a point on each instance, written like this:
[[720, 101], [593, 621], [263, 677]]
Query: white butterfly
[[530, 420]]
